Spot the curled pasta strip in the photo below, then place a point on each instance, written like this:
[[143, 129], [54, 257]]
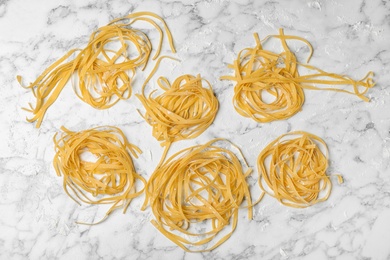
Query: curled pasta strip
[[294, 170], [110, 178], [184, 110], [203, 184], [105, 68], [259, 72]]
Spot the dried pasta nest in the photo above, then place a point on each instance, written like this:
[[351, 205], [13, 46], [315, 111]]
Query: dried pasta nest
[[184, 110], [97, 167], [105, 68], [292, 169], [198, 185], [269, 86]]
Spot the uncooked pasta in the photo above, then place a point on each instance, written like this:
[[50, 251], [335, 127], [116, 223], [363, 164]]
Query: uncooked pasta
[[183, 111], [293, 167], [200, 185], [105, 68], [259, 73], [108, 177]]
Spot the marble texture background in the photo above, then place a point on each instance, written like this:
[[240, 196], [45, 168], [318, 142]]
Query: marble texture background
[[37, 219]]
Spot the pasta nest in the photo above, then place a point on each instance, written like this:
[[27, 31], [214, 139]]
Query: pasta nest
[[184, 110], [269, 86], [109, 177], [105, 68], [198, 185], [249, 94], [105, 80], [292, 169]]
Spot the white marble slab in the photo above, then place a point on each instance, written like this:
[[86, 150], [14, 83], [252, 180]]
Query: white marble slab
[[37, 219]]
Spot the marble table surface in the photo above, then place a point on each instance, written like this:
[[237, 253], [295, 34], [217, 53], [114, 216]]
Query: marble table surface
[[352, 37]]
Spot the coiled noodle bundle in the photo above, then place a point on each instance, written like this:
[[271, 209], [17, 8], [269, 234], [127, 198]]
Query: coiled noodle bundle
[[294, 170], [109, 178], [184, 110], [260, 73], [203, 183], [105, 68]]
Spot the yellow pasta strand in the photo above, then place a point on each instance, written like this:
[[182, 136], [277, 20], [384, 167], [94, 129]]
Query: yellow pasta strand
[[110, 179], [200, 184], [294, 170], [260, 72], [102, 68], [183, 111]]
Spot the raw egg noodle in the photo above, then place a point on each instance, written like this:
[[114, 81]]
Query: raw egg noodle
[[104, 74], [203, 183], [292, 169], [184, 110], [110, 179], [259, 72]]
